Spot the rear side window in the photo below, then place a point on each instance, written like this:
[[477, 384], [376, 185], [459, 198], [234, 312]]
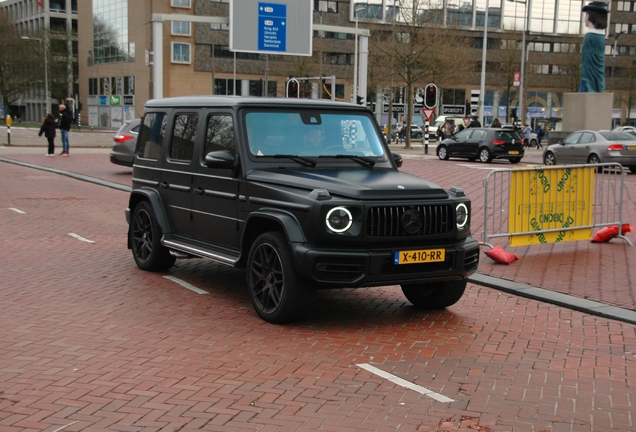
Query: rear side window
[[508, 134], [479, 134], [153, 129], [184, 135]]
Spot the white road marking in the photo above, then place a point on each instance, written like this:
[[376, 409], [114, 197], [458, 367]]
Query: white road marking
[[186, 285], [79, 237], [17, 210], [404, 383], [64, 427]]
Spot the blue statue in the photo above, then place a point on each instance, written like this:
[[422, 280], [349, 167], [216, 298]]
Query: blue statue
[[593, 54]]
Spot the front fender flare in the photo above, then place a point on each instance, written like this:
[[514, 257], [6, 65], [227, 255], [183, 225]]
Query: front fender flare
[[151, 196]]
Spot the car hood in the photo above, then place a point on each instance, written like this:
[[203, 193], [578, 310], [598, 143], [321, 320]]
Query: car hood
[[356, 184]]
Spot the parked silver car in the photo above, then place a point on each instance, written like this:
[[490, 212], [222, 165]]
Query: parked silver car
[[124, 141], [628, 129], [588, 146]]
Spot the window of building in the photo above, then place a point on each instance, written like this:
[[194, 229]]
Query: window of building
[[325, 6], [625, 6], [181, 28], [110, 31], [89, 58], [129, 85], [184, 136], [225, 87], [92, 87], [131, 51], [339, 58], [180, 53], [223, 51], [180, 3]]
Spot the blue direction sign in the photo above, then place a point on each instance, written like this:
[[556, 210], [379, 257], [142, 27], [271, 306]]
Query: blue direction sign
[[272, 27]]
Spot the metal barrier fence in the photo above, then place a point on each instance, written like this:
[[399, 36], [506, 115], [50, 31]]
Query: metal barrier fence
[[551, 204]]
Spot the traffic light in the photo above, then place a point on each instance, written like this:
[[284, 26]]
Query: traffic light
[[293, 88], [430, 96], [80, 107], [359, 100], [513, 114]]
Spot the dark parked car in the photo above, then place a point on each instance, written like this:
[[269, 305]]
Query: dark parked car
[[123, 152], [303, 194], [484, 144], [587, 146]]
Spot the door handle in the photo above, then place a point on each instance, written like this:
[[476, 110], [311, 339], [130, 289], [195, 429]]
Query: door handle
[[164, 185], [198, 191]]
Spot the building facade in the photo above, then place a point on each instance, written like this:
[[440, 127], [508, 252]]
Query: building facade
[[56, 23], [116, 52]]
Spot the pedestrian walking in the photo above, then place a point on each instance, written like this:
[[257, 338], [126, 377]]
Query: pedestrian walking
[[65, 126], [527, 134], [48, 130], [540, 133]]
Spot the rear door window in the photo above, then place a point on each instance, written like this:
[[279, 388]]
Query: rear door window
[[153, 130], [184, 135]]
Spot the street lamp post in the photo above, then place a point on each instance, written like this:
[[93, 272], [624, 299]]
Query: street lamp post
[[46, 72], [355, 56], [482, 87], [526, 18], [616, 36]]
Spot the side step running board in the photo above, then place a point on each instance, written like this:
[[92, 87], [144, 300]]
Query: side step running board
[[192, 250]]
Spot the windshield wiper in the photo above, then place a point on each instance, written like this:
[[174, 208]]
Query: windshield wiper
[[364, 161], [301, 160]]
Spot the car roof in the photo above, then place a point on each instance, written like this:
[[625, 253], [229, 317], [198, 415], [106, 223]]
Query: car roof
[[240, 101]]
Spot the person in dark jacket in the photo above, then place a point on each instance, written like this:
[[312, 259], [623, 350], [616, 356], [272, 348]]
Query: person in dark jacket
[[65, 126], [474, 123], [48, 130]]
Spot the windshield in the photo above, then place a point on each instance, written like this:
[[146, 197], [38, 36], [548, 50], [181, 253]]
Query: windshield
[[618, 136], [312, 133]]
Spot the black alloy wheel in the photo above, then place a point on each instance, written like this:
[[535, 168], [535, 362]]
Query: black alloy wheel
[[273, 286], [145, 240]]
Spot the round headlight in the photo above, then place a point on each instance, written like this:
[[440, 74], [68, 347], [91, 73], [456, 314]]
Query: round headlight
[[461, 215], [339, 219]]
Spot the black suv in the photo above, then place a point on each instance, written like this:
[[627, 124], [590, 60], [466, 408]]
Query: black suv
[[304, 194]]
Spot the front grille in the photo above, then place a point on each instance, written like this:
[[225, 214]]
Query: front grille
[[387, 221], [390, 268], [338, 269]]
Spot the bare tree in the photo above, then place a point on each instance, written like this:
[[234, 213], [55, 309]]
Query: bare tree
[[19, 65], [416, 52], [509, 63]]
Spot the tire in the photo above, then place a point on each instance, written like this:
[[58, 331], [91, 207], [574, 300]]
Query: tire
[[484, 155], [273, 286], [145, 240], [418, 136], [549, 159], [593, 159], [438, 295], [533, 143], [515, 160], [442, 152]]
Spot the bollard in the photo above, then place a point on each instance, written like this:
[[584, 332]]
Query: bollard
[[9, 122], [426, 137]]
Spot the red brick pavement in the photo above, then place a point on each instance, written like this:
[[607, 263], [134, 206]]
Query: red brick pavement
[[91, 343]]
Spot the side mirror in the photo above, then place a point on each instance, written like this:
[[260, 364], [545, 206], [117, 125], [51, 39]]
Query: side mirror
[[397, 158], [561, 142], [219, 159]]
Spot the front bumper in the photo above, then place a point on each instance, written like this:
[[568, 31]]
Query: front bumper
[[340, 268]]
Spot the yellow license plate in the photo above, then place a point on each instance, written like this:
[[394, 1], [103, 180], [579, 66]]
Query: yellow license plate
[[631, 147], [514, 152], [419, 256]]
